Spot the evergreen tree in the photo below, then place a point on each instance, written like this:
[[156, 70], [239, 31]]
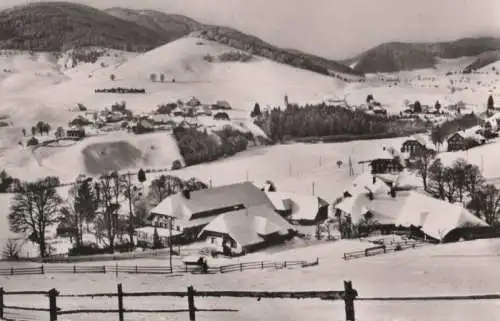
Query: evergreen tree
[[141, 175], [156, 240], [491, 103], [256, 112]]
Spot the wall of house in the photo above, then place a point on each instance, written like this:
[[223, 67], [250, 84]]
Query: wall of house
[[217, 240]]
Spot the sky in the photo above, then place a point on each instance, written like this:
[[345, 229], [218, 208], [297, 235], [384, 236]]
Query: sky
[[335, 29]]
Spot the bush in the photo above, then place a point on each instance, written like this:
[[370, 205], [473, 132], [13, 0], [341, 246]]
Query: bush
[[208, 58], [176, 164], [32, 142], [87, 249]]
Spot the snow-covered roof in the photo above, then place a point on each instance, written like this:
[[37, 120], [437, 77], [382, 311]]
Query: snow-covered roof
[[303, 207], [425, 141], [410, 208], [249, 226], [364, 183]]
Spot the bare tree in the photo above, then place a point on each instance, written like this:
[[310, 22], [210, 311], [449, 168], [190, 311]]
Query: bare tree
[[108, 204], [11, 249], [35, 207], [132, 193], [422, 163]]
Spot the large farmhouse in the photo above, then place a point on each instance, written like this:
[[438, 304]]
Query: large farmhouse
[[410, 209], [222, 213]]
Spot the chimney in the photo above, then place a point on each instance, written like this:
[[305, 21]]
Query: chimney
[[393, 190], [186, 193]]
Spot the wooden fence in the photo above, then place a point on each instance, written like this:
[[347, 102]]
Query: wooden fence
[[137, 269], [348, 295], [381, 249]]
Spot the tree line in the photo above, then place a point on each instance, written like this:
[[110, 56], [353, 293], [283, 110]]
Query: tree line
[[323, 120], [92, 207], [120, 90]]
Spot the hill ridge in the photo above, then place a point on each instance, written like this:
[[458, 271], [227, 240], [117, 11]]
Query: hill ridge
[[399, 56]]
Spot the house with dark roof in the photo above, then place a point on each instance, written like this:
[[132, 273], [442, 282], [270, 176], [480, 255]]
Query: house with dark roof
[[417, 145], [190, 212], [465, 139]]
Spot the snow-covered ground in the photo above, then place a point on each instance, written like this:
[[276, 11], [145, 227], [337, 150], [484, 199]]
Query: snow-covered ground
[[455, 269]]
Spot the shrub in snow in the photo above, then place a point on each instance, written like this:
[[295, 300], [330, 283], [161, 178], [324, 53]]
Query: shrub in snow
[[176, 165], [32, 142]]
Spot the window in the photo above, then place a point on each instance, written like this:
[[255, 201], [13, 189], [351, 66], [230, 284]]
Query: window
[[212, 240]]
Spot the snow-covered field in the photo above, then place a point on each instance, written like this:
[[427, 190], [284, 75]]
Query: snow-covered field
[[454, 269]]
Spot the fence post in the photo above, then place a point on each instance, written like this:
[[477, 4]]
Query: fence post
[[349, 296], [104, 269], [262, 265], [41, 270], [53, 304], [74, 269], [11, 271], [192, 309], [136, 269], [1, 303], [385, 249], [284, 264], [120, 302], [116, 269], [241, 267]]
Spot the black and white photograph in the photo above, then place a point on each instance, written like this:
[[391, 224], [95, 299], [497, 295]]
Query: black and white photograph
[[253, 160]]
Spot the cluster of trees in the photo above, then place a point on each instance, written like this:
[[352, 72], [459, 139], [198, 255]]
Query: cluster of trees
[[7, 182], [258, 47], [235, 56], [120, 90], [256, 112], [461, 182], [323, 120], [155, 78], [85, 56], [92, 207], [199, 146], [40, 127]]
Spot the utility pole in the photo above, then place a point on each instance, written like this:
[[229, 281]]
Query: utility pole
[[170, 245], [313, 188], [131, 215]]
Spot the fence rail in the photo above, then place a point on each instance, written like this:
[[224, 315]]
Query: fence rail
[[381, 249], [137, 269], [348, 294]]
